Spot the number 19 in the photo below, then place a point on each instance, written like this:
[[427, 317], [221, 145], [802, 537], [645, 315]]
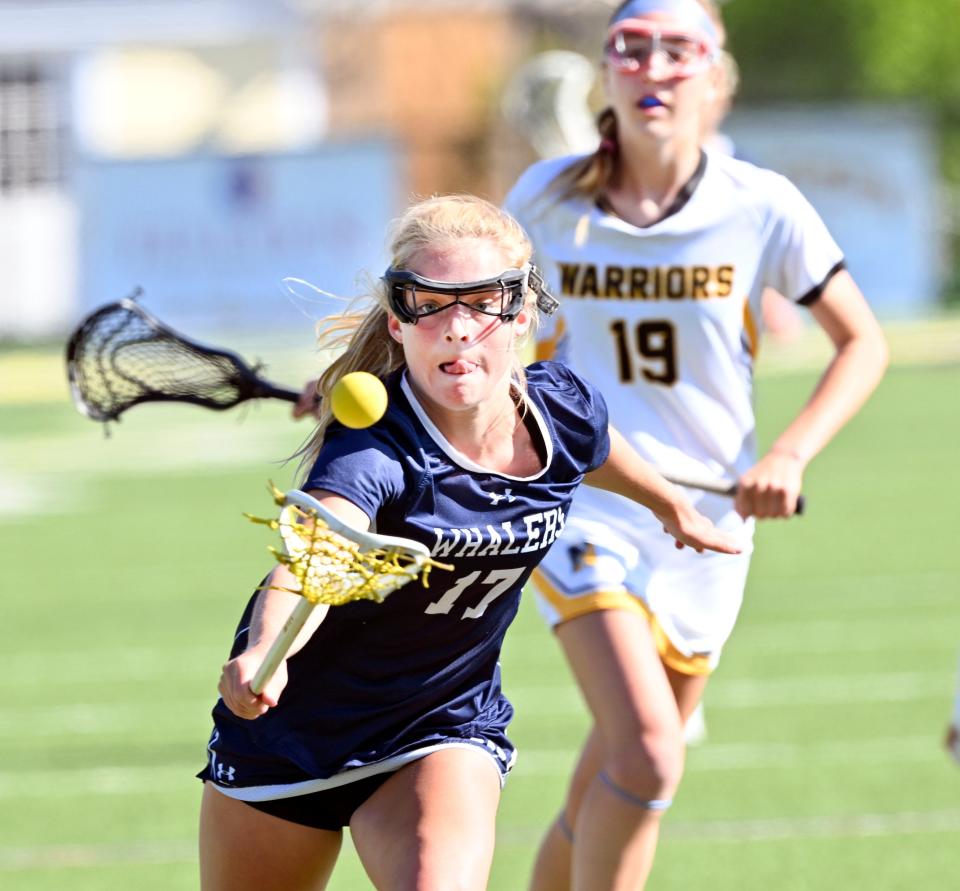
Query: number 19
[[654, 341]]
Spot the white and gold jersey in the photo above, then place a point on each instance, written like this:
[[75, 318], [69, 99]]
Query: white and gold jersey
[[665, 320]]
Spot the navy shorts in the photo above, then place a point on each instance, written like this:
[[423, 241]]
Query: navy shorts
[[328, 809], [330, 803]]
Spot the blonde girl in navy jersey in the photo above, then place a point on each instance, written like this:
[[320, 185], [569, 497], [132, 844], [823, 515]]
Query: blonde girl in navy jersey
[[389, 718], [659, 254]]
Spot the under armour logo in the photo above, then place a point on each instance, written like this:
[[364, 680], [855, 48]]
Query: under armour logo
[[507, 496], [225, 773]]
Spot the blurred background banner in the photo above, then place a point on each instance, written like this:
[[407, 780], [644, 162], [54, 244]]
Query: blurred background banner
[[871, 173], [207, 148], [210, 238], [196, 114]]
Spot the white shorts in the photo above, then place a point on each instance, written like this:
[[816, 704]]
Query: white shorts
[[615, 555]]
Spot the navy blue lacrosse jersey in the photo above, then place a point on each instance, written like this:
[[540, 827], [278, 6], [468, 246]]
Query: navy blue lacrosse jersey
[[376, 681]]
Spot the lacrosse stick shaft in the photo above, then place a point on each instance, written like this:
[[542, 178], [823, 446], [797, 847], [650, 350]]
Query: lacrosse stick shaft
[[269, 391], [281, 646], [720, 487]]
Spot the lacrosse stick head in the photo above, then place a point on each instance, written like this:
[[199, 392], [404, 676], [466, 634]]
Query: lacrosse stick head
[[120, 356], [547, 100], [336, 564]]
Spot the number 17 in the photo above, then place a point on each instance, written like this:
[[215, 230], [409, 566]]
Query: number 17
[[500, 579]]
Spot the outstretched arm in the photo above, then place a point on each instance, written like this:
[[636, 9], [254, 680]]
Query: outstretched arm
[[626, 473]]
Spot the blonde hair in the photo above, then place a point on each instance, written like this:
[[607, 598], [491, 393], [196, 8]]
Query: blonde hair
[[590, 177], [363, 336]]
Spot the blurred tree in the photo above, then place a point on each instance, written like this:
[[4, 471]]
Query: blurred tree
[[863, 50]]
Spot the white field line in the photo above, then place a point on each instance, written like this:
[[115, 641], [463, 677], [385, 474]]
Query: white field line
[[786, 828], [93, 718], [850, 826], [103, 781], [853, 689], [31, 857], [81, 666], [122, 717], [764, 756], [844, 636], [532, 764], [26, 494], [176, 448], [762, 693], [847, 826], [784, 597], [789, 631]]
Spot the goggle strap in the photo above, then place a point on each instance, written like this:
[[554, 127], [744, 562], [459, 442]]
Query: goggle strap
[[546, 302]]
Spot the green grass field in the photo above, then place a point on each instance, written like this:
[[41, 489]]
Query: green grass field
[[126, 562]]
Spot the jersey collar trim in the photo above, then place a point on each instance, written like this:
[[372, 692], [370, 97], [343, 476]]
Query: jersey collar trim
[[462, 460], [679, 202]]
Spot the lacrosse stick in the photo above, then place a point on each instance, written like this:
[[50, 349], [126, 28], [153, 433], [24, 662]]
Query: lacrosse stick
[[547, 100], [719, 487], [334, 564], [120, 355]]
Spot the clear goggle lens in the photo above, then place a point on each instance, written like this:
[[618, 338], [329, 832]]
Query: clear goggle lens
[[413, 297], [679, 54]]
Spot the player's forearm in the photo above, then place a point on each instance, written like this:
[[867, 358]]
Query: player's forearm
[[627, 474], [845, 386], [272, 609]]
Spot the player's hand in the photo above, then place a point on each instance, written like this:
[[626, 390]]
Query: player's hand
[[309, 401], [235, 689], [692, 529], [771, 487]]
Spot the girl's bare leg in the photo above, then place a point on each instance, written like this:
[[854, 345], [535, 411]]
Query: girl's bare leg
[[243, 849], [430, 827]]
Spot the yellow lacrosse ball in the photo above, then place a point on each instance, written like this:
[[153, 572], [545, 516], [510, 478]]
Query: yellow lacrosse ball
[[358, 400]]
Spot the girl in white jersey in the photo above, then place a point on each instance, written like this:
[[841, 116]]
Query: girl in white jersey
[[659, 253]]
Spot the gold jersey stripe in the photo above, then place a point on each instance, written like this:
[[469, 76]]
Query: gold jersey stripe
[[547, 348], [570, 607], [750, 327]]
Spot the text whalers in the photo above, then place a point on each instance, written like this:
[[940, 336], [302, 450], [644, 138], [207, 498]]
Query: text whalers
[[532, 532]]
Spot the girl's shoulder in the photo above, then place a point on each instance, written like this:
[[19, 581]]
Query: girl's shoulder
[[573, 409], [752, 184], [549, 376], [564, 395]]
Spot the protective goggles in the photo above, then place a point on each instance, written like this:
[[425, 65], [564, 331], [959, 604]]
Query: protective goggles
[[413, 297], [679, 33], [679, 55]]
